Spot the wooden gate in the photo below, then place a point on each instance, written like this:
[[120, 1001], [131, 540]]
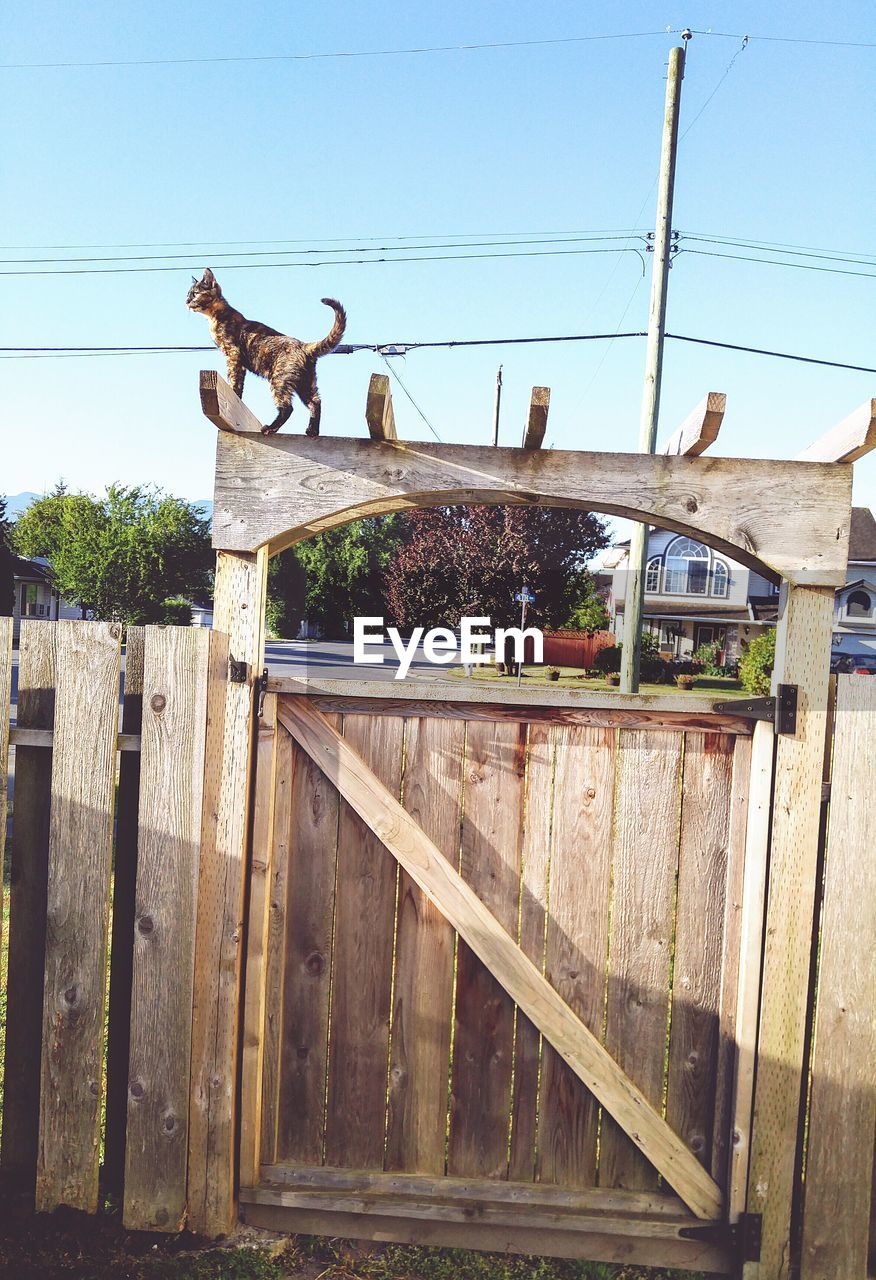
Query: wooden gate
[[519, 1032]]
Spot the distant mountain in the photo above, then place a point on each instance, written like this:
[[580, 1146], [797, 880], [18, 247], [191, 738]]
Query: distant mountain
[[18, 503]]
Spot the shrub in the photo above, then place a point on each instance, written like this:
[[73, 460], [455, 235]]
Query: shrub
[[708, 657], [756, 665], [175, 612], [608, 659]]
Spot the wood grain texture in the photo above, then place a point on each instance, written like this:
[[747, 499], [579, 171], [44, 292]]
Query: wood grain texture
[[781, 518], [175, 680], [701, 895], [842, 1109], [378, 409], [849, 440], [536, 421], [123, 916], [535, 849], [749, 965], [802, 658], [258, 925], [577, 942], [77, 914], [700, 428], [483, 1047], [223, 408], [499, 952], [27, 905], [362, 966], [645, 860], [424, 950], [238, 631], [305, 963]]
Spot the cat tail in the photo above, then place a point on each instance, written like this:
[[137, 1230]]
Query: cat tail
[[333, 337]]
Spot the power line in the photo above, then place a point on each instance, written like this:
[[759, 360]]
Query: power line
[[774, 262], [777, 355], [393, 373], [360, 240], [727, 71], [840, 44], [336, 53], [821, 255]]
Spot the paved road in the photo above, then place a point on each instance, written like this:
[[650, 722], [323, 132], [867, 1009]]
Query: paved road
[[333, 659]]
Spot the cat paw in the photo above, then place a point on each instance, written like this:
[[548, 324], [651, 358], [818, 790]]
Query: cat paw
[[312, 431], [270, 431]]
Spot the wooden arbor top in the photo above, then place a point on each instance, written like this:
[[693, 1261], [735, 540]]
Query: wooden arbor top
[[785, 519]]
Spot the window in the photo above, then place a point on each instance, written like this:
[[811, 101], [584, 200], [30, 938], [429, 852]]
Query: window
[[720, 579], [859, 605], [687, 568], [652, 574]]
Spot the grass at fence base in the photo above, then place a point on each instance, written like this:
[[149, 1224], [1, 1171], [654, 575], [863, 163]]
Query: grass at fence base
[[573, 678]]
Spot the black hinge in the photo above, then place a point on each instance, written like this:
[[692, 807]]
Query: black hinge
[[741, 1238], [781, 710], [750, 1229], [262, 686], [238, 671]]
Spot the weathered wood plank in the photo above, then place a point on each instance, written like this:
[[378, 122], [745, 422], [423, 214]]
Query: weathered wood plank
[[782, 518], [80, 847], [842, 1108], [224, 409], [27, 904], [701, 895], [700, 428], [255, 991], [5, 716], [849, 440], [378, 409], [577, 942], [175, 679], [534, 859], [21, 737], [238, 632], [499, 952], [306, 957], [423, 999], [802, 658], [644, 868], [123, 915], [362, 968], [536, 422], [484, 1038]]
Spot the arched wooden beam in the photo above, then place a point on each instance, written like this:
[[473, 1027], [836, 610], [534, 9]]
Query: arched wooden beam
[[783, 519]]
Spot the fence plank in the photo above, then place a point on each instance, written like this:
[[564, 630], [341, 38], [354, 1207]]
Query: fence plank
[[5, 716], [484, 1038], [255, 991], [175, 678], [577, 942], [122, 945], [707, 784], [842, 1110], [80, 839], [27, 904], [305, 961], [534, 859], [423, 1001], [645, 861], [362, 971], [286, 754]]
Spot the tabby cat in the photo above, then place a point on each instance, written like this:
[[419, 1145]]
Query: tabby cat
[[288, 365]]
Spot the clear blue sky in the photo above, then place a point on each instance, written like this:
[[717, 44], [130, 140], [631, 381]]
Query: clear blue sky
[[550, 138]]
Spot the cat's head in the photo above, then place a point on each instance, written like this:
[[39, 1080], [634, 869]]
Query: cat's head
[[204, 292]]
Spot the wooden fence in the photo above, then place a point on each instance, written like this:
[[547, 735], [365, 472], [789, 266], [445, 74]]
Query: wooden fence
[[391, 1085]]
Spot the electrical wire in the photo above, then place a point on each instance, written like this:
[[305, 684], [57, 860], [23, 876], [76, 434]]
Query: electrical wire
[[820, 255], [733, 35], [393, 373], [777, 355], [727, 71], [774, 262], [360, 240]]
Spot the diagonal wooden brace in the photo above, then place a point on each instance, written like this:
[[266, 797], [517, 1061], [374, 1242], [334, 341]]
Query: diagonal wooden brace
[[461, 906]]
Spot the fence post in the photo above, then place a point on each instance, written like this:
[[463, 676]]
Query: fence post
[[802, 658], [837, 1189], [238, 620]]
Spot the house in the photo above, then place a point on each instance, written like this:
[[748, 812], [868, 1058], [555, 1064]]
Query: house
[[693, 596], [35, 597], [696, 596]]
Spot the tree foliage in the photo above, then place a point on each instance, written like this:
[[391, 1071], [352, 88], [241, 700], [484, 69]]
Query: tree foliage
[[757, 662], [455, 561], [7, 581], [331, 578], [124, 557]]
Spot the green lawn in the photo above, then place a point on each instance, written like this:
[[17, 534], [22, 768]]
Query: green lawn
[[573, 678]]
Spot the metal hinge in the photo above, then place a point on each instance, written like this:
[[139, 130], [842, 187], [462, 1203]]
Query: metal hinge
[[781, 710], [262, 686], [741, 1238], [238, 671]]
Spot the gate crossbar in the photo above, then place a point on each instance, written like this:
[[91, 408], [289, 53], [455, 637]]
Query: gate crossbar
[[522, 980]]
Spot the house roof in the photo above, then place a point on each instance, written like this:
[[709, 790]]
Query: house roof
[[862, 535], [30, 570]]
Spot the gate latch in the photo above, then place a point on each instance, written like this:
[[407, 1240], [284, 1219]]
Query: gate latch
[[238, 671], [262, 686], [781, 710]]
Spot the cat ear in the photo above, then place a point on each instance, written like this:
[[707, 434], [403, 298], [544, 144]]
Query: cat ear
[[194, 279], [208, 277]]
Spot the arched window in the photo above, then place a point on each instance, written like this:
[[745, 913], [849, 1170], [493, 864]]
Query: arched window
[[859, 605], [720, 579], [652, 574], [687, 568]]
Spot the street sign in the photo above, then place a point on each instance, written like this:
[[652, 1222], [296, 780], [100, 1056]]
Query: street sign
[[525, 596]]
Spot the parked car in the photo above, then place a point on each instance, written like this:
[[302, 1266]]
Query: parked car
[[859, 664]]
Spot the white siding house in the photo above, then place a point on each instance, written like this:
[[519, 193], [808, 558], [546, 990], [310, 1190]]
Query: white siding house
[[35, 597]]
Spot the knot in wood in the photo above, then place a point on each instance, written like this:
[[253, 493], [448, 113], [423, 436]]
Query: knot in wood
[[115, 631], [315, 964], [170, 1123], [691, 505], [93, 1088], [71, 996], [158, 702], [137, 1090], [146, 925]]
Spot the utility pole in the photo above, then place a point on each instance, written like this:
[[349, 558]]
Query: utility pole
[[634, 596], [497, 406]]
